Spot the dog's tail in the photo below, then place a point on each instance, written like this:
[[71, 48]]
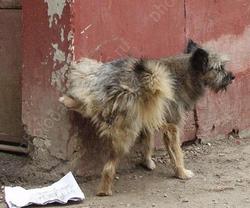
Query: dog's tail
[[154, 78], [157, 87]]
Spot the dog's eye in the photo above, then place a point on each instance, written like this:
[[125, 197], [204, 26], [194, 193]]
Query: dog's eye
[[218, 69]]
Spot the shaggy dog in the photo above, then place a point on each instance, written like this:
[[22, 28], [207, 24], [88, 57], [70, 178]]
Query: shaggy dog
[[130, 97]]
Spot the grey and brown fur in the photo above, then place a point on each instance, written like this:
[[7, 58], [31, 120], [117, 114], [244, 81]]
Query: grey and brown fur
[[130, 98]]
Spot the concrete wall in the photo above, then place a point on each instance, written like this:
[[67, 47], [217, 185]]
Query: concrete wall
[[60, 31]]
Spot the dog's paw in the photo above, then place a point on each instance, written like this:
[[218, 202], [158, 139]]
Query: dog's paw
[[149, 164], [185, 174], [61, 99], [68, 102], [104, 193]]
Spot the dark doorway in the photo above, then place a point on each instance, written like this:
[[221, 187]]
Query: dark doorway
[[11, 130]]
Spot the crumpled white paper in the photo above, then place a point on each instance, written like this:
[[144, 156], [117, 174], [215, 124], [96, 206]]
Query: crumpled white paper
[[61, 191]]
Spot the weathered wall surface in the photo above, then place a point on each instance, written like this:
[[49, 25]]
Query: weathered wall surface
[[47, 50], [61, 139], [115, 29], [224, 27], [60, 31]]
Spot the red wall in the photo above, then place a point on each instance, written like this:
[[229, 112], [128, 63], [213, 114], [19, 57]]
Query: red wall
[[138, 28], [111, 29], [161, 28], [224, 27], [44, 53]]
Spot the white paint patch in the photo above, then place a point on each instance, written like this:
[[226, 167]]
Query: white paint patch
[[62, 34], [70, 56], [70, 36], [55, 9], [86, 28], [236, 47], [71, 46], [58, 78], [59, 56]]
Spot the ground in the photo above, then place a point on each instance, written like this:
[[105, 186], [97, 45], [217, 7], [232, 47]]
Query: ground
[[222, 179]]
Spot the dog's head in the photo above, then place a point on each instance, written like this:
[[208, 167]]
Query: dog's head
[[210, 66]]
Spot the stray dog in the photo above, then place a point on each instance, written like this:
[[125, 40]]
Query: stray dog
[[130, 98]]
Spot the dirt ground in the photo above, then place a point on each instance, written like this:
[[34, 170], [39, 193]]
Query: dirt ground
[[222, 180]]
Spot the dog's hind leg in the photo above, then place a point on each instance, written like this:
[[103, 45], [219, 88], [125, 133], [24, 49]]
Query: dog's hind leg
[[172, 143], [148, 147], [120, 146], [68, 102], [108, 174]]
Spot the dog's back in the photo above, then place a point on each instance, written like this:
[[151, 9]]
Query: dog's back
[[121, 93]]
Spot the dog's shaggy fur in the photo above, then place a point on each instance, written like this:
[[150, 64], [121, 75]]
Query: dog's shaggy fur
[[130, 97]]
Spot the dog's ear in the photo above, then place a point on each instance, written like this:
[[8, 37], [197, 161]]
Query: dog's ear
[[191, 46], [199, 60]]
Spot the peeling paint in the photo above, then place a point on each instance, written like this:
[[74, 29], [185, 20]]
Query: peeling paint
[[71, 47], [58, 56], [235, 46], [70, 35], [62, 34], [86, 28], [58, 78], [70, 56], [55, 8]]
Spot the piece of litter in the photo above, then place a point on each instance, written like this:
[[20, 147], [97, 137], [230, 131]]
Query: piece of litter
[[62, 191]]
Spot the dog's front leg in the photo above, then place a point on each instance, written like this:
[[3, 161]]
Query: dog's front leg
[[148, 147], [172, 142]]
